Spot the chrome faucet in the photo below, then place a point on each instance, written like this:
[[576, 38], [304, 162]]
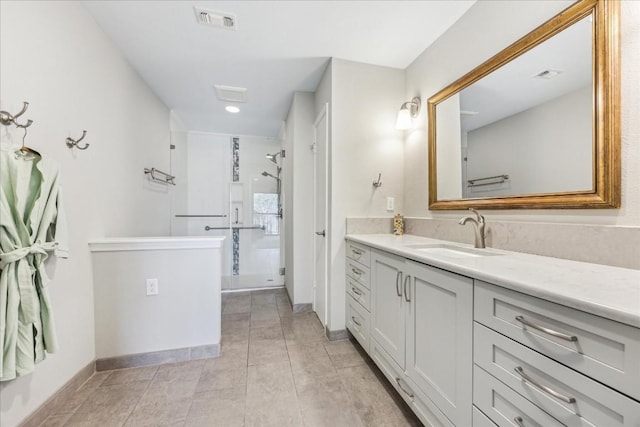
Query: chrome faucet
[[478, 227]]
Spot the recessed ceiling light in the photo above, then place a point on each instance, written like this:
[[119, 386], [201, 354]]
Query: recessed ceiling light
[[232, 109]]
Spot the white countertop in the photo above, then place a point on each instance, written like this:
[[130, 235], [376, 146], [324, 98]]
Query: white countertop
[[610, 292], [119, 244]]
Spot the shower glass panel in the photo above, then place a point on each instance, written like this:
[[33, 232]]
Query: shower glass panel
[[221, 191]]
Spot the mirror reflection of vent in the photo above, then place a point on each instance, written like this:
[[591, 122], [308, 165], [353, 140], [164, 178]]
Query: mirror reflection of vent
[[547, 74], [216, 18]]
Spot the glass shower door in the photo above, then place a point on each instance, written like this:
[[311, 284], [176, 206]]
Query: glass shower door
[[221, 191]]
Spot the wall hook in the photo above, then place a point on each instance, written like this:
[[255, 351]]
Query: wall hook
[[7, 118], [74, 143], [378, 183]]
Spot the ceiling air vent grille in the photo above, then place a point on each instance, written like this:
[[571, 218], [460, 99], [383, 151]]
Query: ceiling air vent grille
[[215, 18]]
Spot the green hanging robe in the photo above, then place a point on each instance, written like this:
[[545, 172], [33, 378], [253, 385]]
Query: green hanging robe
[[31, 225]]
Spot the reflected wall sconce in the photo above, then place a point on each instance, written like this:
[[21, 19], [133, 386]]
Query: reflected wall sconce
[[408, 111]]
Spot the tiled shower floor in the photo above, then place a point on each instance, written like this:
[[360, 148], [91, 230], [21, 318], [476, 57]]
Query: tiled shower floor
[[276, 369]]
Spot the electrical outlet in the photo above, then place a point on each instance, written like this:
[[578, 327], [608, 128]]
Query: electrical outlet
[[152, 287], [390, 203]]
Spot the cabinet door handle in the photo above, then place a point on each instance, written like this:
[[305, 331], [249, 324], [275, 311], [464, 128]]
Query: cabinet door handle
[[355, 321], [398, 280], [356, 271], [356, 251], [407, 296], [547, 331], [407, 391], [544, 388], [356, 291], [519, 421]]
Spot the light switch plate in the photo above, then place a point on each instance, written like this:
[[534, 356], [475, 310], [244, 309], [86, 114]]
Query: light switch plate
[[152, 287]]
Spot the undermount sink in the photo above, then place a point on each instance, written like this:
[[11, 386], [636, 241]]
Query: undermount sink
[[452, 251]]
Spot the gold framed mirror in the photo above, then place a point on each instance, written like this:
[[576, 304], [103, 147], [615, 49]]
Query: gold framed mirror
[[537, 125]]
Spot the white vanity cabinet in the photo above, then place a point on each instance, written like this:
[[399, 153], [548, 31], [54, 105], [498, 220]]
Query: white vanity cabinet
[[463, 352], [421, 335], [539, 363]]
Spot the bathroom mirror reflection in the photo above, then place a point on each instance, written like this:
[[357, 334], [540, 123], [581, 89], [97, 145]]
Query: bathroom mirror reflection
[[533, 126]]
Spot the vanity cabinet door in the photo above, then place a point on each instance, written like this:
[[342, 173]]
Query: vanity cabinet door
[[440, 338], [388, 305]]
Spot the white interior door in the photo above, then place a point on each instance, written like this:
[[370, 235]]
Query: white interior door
[[320, 216]]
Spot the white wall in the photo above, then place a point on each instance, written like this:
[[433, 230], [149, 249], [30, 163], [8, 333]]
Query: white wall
[[298, 182], [55, 57], [365, 103], [493, 25], [545, 149], [130, 322]]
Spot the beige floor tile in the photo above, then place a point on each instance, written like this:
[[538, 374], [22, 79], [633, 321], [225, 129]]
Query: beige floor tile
[[131, 375], [271, 396], [262, 298], [268, 333], [159, 413], [56, 420], [170, 391], [94, 419], [236, 306], [222, 379], [82, 394], [373, 398], [267, 351], [115, 399], [344, 354], [303, 328], [324, 402], [180, 371], [218, 408]]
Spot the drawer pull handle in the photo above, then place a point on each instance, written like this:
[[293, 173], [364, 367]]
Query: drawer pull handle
[[407, 391], [544, 388], [356, 251], [356, 291], [355, 321], [519, 421], [546, 330], [407, 297], [398, 280], [356, 271]]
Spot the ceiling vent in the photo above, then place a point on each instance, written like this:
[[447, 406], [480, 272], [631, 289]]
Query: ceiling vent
[[230, 93], [547, 74], [216, 18]]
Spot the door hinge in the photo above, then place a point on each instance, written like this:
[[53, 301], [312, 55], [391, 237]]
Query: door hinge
[[282, 270], [283, 153]]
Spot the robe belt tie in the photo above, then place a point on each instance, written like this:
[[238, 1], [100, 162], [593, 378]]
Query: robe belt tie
[[29, 296], [36, 248]]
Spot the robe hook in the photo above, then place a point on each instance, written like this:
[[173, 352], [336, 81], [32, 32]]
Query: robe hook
[[74, 143], [7, 118], [378, 183]]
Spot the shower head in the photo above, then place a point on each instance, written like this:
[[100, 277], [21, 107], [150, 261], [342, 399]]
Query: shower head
[[274, 156]]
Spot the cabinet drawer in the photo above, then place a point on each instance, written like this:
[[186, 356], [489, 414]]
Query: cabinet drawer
[[504, 406], [358, 322], [359, 293], [359, 253], [359, 273], [580, 401], [602, 349], [421, 405], [481, 420]]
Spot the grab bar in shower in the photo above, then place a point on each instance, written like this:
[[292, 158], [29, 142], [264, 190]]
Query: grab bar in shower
[[256, 227], [201, 216], [165, 178]]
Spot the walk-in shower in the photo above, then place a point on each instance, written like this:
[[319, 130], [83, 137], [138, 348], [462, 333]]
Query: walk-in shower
[[225, 190]]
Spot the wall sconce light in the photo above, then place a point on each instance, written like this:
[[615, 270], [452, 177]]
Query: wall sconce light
[[409, 110]]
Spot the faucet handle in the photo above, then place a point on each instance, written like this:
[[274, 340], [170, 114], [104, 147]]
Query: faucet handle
[[479, 217]]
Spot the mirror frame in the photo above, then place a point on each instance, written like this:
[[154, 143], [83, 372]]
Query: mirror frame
[[606, 114]]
